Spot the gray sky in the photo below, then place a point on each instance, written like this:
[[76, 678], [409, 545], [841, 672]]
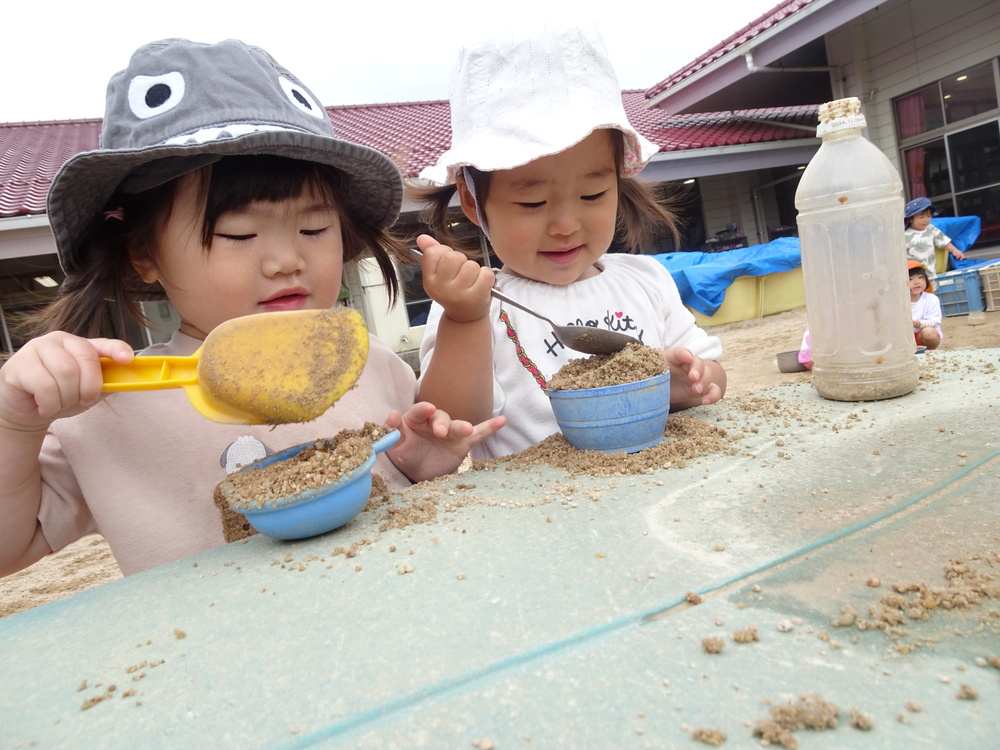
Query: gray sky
[[56, 57]]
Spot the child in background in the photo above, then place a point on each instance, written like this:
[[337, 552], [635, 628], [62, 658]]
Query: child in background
[[922, 237], [220, 186], [925, 307], [543, 159], [805, 352]]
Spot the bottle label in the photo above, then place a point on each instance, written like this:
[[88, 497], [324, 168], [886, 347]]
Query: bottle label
[[841, 123]]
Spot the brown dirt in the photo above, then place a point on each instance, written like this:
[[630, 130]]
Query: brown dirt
[[323, 463], [633, 363], [811, 712], [750, 349]]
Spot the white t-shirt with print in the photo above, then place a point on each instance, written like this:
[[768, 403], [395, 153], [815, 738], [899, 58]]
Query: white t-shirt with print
[[633, 294]]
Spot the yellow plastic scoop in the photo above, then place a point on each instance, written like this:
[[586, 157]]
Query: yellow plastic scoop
[[271, 368]]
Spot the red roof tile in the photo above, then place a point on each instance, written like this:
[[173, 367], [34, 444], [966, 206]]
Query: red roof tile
[[31, 154], [748, 32], [716, 129], [412, 134]]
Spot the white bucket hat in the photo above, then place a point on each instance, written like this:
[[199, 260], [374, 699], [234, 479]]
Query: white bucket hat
[[516, 98]]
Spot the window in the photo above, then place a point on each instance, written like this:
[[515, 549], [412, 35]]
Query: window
[[968, 94], [927, 169], [949, 134], [418, 304], [919, 112], [975, 156]]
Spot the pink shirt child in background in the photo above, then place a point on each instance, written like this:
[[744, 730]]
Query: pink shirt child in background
[[805, 351]]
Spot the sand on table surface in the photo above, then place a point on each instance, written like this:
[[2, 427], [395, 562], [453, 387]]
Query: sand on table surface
[[750, 348]]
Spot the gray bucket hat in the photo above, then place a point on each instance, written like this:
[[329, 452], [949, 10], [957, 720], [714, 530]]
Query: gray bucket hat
[[181, 105]]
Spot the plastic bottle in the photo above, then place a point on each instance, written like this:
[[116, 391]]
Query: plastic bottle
[[850, 204]]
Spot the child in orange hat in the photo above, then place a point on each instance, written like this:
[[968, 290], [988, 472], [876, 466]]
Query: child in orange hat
[[925, 307]]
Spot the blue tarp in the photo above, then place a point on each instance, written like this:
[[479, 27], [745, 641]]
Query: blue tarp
[[963, 230], [702, 278]]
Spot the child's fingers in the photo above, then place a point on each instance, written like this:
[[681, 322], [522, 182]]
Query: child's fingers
[[87, 353], [425, 242], [713, 395], [395, 420], [678, 356], [70, 375], [415, 417], [483, 430], [59, 372]]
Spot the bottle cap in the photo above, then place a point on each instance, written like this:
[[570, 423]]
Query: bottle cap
[[842, 114]]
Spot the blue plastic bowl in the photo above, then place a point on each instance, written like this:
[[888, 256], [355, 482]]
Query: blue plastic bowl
[[617, 418], [318, 510]]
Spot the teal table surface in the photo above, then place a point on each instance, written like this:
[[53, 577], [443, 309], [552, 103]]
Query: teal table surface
[[537, 609]]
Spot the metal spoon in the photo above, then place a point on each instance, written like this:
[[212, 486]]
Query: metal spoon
[[578, 338]]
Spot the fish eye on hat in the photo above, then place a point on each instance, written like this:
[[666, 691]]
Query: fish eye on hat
[[181, 105]]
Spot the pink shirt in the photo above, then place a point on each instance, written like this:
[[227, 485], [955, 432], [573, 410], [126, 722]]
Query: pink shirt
[[140, 468]]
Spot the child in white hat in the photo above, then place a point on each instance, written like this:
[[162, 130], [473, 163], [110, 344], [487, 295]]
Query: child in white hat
[[219, 185], [543, 159]]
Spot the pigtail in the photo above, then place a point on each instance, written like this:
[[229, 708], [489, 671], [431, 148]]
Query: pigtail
[[102, 298], [643, 217], [385, 247], [442, 218]]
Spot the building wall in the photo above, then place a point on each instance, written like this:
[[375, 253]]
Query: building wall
[[726, 199], [903, 45]]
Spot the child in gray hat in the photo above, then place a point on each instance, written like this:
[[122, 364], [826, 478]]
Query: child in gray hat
[[220, 186]]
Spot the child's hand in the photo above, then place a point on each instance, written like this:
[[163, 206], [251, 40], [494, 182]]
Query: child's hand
[[957, 254], [693, 381], [432, 443], [461, 286], [53, 376]]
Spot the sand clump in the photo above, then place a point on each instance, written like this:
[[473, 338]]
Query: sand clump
[[748, 634], [713, 644], [708, 736], [633, 363], [810, 712], [971, 581]]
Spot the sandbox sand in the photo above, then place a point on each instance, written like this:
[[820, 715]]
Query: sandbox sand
[[750, 348]]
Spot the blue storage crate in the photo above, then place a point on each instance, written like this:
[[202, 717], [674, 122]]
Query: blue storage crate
[[960, 292]]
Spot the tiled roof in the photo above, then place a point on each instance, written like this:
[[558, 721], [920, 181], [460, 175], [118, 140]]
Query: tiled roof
[[748, 32], [412, 134], [716, 129], [31, 154]]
